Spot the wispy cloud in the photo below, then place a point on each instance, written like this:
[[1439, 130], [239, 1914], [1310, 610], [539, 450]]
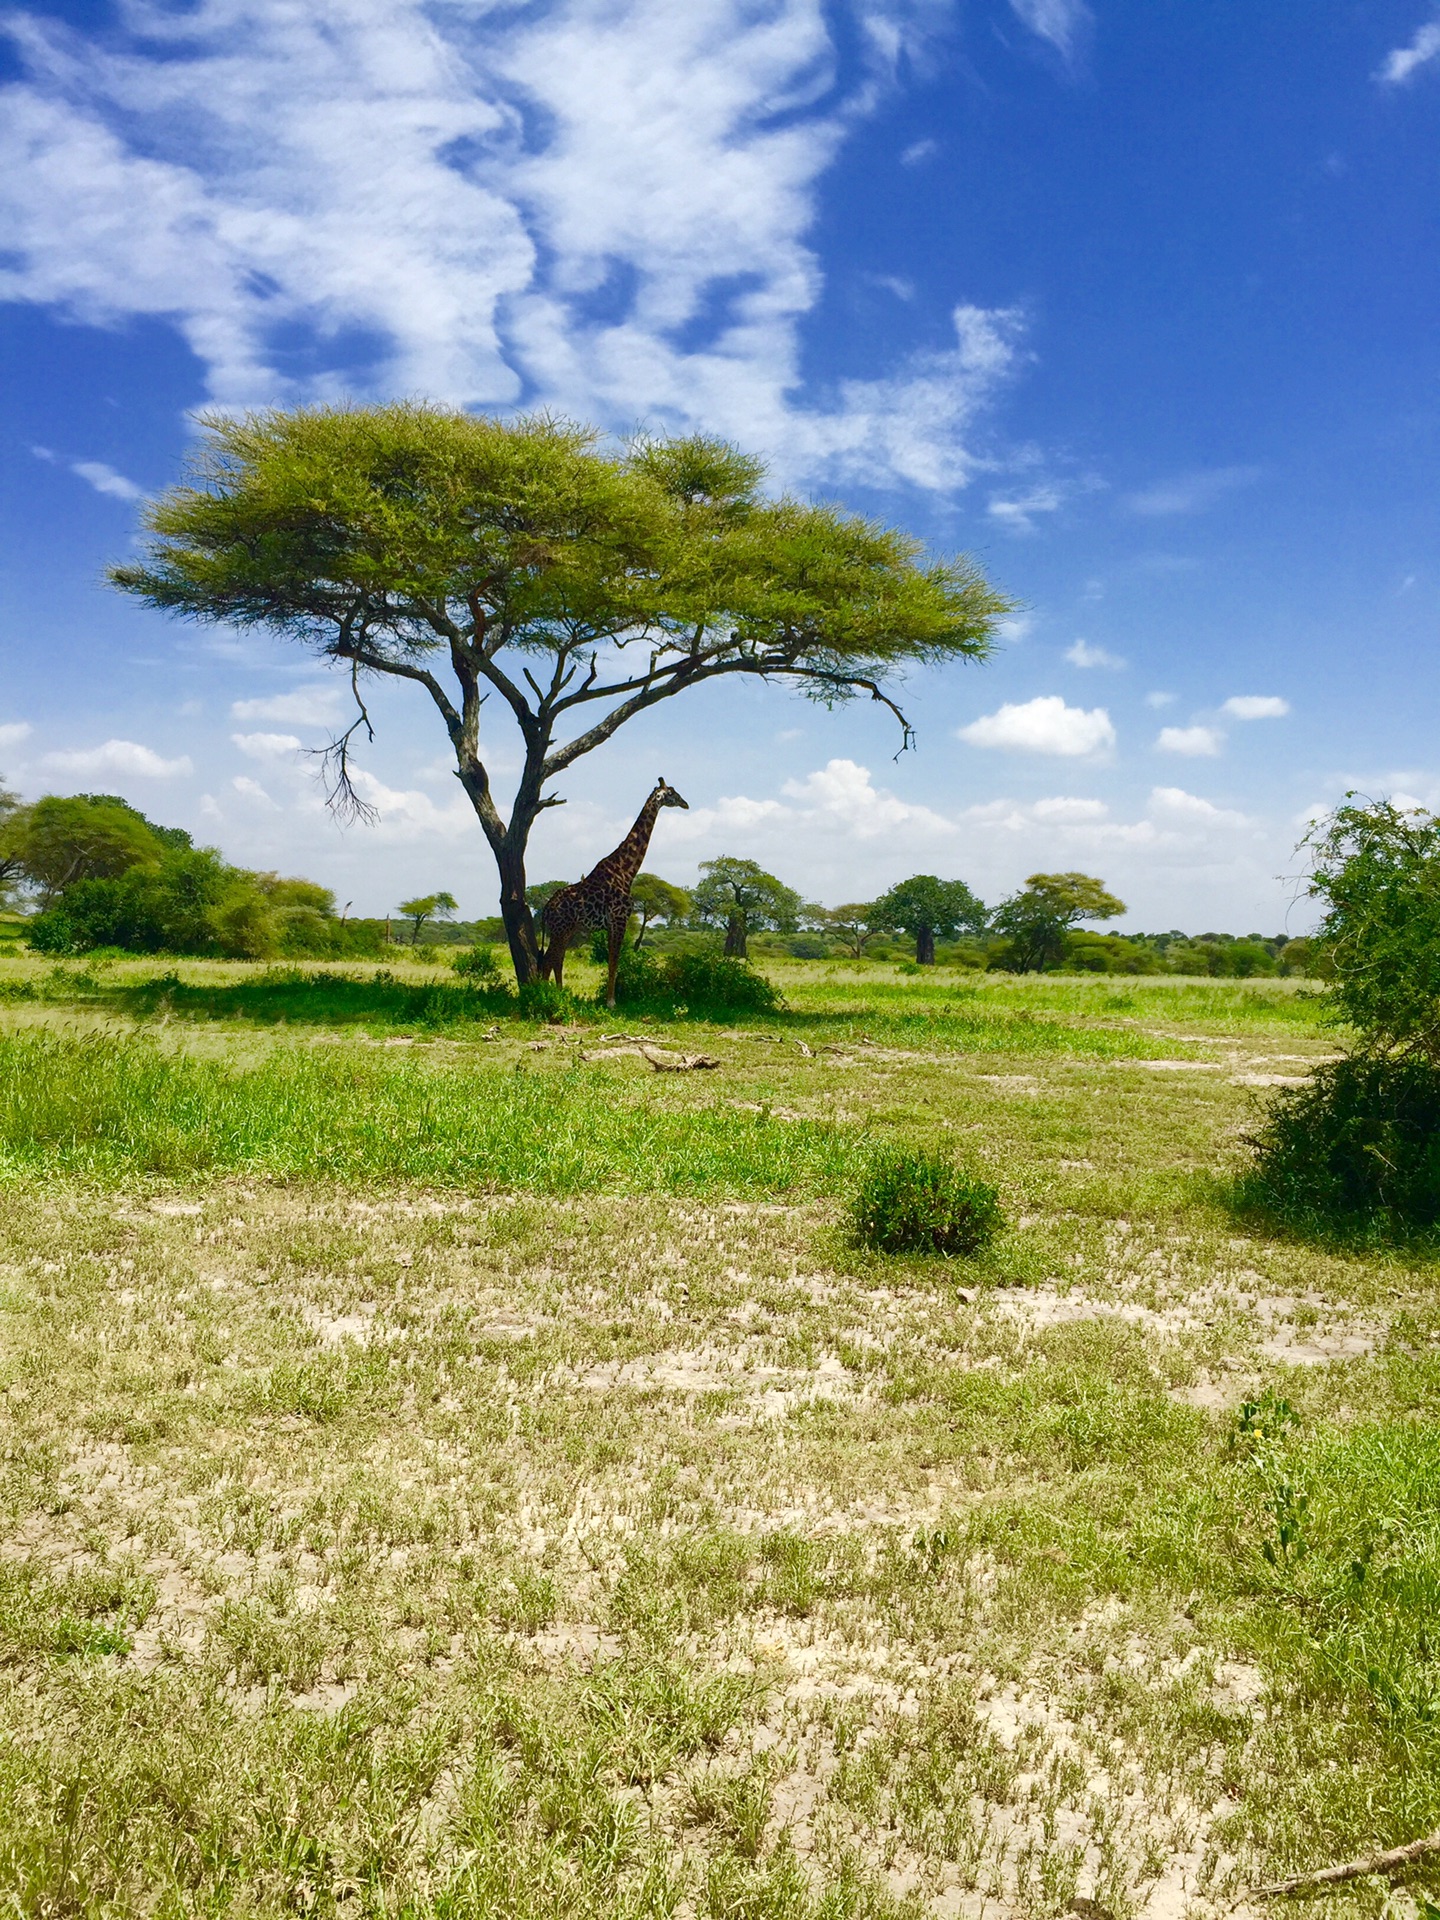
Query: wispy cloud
[[266, 746], [305, 706], [1063, 23], [597, 205], [106, 480], [126, 758], [1197, 742], [14, 733], [1082, 654], [1017, 512], [1398, 65], [1043, 725], [1190, 492], [1159, 699], [1256, 706]]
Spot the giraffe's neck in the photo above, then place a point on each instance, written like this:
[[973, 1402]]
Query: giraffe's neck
[[625, 862]]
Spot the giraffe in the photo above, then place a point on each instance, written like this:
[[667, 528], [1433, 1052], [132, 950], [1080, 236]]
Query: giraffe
[[602, 898]]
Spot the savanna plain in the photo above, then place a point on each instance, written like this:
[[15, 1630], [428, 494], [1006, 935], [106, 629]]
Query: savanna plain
[[459, 1465]]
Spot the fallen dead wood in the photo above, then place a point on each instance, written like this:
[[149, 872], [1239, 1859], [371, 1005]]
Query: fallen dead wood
[[678, 1062], [662, 1062], [1353, 1869]]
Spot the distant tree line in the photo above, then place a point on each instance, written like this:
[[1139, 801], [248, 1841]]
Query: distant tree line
[[1040, 928], [94, 872]]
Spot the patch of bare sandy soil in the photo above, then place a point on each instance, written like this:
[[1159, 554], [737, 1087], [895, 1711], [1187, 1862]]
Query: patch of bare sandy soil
[[377, 1447]]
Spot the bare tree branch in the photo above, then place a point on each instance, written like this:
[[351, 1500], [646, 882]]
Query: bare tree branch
[[340, 795], [1386, 1862]]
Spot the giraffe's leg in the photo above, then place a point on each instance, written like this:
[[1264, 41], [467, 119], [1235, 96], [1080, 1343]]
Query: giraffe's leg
[[556, 959], [617, 935]]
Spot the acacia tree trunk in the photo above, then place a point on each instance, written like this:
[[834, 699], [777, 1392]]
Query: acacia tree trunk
[[735, 942], [925, 946], [515, 913]]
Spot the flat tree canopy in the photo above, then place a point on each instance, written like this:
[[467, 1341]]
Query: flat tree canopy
[[523, 558]]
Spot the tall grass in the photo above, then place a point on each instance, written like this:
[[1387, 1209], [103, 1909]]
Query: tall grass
[[107, 1110]]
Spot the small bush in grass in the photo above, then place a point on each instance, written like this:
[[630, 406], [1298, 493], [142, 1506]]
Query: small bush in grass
[[478, 964], [909, 1202], [543, 1000]]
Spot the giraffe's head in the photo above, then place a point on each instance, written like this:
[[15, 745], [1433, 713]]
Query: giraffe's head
[[668, 797]]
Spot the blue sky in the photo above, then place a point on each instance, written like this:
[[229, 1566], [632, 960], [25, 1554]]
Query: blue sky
[[1136, 300]]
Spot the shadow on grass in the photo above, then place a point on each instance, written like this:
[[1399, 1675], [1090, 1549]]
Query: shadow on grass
[[295, 996], [290, 996]]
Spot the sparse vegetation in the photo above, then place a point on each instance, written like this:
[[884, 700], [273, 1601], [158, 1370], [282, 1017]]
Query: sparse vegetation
[[478, 1474]]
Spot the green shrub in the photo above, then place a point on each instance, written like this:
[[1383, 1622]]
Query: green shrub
[[543, 1000], [478, 964], [1360, 1143], [701, 983], [909, 1202]]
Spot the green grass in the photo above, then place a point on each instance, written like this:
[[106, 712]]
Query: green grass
[[457, 1478], [122, 1107], [937, 1008]]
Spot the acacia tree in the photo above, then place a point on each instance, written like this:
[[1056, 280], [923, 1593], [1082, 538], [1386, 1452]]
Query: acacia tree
[[476, 558], [925, 908], [427, 906], [655, 899], [854, 924], [740, 896], [62, 839], [1038, 918]]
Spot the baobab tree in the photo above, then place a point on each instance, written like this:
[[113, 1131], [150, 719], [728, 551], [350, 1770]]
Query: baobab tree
[[525, 561]]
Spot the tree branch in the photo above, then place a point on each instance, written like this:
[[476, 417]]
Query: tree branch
[[689, 671], [340, 795], [1353, 1869]]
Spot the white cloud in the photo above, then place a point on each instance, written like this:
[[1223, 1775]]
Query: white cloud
[[1160, 699], [598, 205], [1399, 64], [266, 746], [1082, 654], [407, 814], [1070, 811], [1179, 804], [1191, 492], [13, 732], [106, 480], [1015, 628], [1256, 706], [919, 150], [844, 792], [1061, 22], [1198, 742], [306, 706], [1043, 725], [1017, 515], [124, 757], [252, 790]]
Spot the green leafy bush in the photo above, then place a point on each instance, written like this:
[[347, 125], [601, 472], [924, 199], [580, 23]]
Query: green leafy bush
[[478, 964], [1360, 1144], [701, 983], [543, 1000], [911, 1202]]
